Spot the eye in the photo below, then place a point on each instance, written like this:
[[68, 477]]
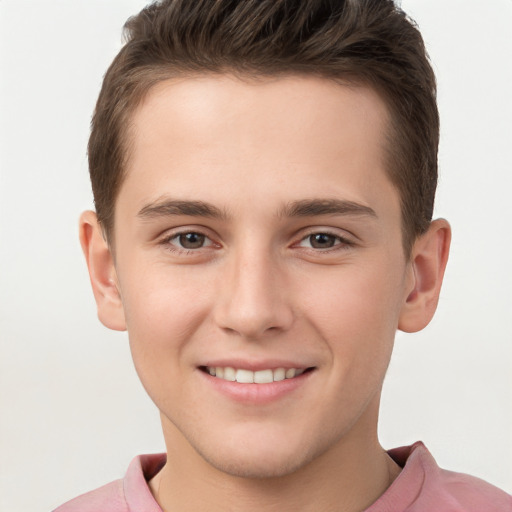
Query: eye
[[187, 240], [191, 240], [323, 241]]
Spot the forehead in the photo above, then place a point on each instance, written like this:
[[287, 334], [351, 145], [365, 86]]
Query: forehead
[[219, 137], [295, 106]]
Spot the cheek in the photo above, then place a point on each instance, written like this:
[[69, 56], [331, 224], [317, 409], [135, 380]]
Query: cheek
[[356, 310], [353, 312], [162, 315], [163, 311], [157, 295]]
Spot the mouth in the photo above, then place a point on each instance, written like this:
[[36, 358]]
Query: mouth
[[244, 376]]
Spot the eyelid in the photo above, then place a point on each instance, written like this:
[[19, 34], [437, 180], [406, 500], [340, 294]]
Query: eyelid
[[171, 234], [344, 239], [207, 241]]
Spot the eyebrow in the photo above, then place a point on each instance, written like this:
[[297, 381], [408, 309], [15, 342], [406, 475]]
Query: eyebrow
[[302, 208], [168, 207], [314, 207]]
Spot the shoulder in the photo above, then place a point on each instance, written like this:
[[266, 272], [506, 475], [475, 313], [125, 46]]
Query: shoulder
[[124, 495], [424, 486], [469, 493], [108, 498]]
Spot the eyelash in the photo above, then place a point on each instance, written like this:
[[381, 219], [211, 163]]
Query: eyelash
[[340, 242], [168, 242]]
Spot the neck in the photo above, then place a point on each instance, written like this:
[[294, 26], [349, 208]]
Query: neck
[[350, 477]]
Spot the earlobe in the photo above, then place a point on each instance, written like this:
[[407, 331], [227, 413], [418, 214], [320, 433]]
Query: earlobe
[[102, 272], [428, 263]]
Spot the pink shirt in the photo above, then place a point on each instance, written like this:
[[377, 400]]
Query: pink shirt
[[421, 487]]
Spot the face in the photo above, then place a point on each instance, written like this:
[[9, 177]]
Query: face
[[257, 237]]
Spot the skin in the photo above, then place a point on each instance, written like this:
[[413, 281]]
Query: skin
[[261, 288]]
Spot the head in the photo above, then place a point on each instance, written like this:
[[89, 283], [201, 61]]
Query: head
[[364, 42], [264, 173]]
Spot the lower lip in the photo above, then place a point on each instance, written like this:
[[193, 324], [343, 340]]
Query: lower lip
[[256, 393]]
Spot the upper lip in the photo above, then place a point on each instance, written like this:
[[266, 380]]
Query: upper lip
[[255, 365]]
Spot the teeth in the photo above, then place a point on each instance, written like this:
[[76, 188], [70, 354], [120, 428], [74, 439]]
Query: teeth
[[263, 377], [279, 374], [249, 377], [290, 373], [229, 374], [245, 376]]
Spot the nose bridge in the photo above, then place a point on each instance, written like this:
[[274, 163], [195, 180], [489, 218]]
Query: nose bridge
[[253, 300]]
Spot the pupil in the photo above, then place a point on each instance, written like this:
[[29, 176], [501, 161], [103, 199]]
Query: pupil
[[322, 240], [192, 240]]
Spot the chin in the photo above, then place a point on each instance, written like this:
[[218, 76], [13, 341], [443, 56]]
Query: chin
[[256, 468], [261, 460]]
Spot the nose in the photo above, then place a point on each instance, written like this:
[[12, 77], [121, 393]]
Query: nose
[[253, 300]]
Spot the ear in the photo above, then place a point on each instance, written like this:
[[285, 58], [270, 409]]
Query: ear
[[101, 272], [428, 262]]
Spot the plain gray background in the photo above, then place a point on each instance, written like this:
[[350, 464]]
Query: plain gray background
[[72, 412]]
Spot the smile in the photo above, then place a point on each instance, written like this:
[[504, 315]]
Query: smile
[[253, 377]]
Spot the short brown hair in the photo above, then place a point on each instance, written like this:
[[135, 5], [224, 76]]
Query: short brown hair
[[370, 42]]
